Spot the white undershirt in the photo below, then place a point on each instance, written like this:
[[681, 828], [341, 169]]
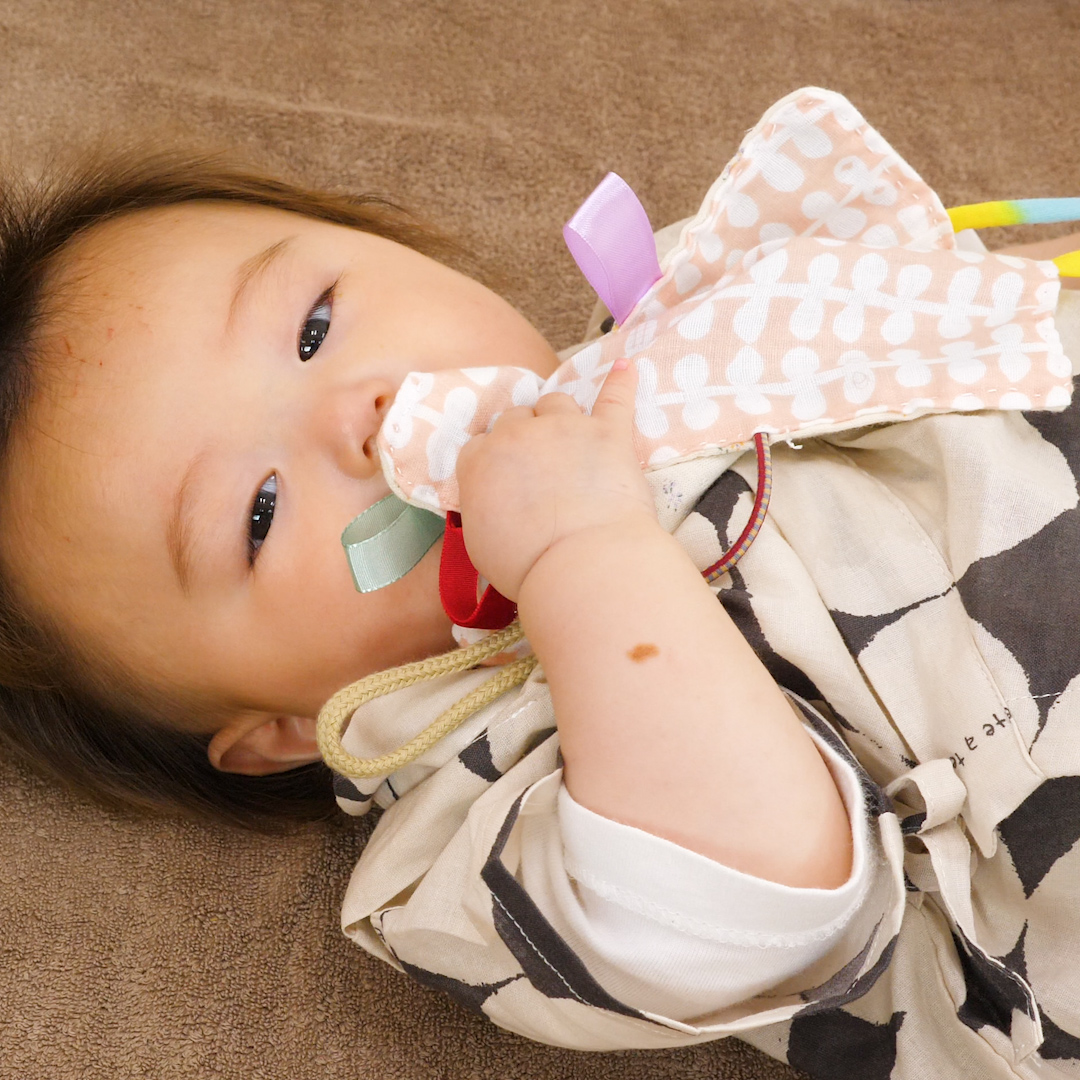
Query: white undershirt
[[669, 931]]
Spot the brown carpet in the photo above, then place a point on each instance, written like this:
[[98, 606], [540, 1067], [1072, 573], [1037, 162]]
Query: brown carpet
[[162, 950]]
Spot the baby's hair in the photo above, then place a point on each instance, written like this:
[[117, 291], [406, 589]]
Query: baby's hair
[[106, 737]]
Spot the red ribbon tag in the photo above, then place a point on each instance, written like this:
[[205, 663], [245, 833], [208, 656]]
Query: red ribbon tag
[[458, 579]]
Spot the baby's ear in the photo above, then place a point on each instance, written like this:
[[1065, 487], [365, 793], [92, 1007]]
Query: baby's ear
[[256, 746]]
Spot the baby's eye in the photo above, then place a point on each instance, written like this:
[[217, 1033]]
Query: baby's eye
[[315, 327], [262, 514]]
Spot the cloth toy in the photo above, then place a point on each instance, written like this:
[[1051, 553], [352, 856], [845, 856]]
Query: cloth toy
[[819, 287]]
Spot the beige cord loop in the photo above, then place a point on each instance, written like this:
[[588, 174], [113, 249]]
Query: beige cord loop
[[335, 714]]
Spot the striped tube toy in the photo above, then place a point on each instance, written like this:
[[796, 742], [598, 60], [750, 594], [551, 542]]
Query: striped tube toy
[[1022, 212]]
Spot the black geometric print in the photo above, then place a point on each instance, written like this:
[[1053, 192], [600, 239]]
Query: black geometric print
[[536, 738], [476, 757], [1021, 596], [833, 988], [875, 801], [835, 1045], [992, 993], [1043, 828], [859, 630], [547, 960], [843, 980], [344, 788], [1014, 959], [472, 997], [737, 603], [1057, 1045], [1062, 430], [834, 716], [832, 740], [718, 501], [716, 505]]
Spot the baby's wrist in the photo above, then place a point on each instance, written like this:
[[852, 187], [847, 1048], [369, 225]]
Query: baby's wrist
[[591, 548]]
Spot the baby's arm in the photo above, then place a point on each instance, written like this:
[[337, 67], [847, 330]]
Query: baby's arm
[[652, 683]]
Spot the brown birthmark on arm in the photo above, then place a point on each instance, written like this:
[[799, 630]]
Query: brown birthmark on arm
[[643, 652]]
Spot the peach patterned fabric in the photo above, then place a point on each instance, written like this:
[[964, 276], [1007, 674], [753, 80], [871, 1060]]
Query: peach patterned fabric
[[818, 288]]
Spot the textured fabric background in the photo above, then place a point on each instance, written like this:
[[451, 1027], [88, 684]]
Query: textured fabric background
[[162, 950]]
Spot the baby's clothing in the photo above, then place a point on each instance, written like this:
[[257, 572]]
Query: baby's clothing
[[669, 931], [664, 930], [907, 593]]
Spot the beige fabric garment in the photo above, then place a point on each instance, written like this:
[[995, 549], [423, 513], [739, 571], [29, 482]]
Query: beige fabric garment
[[165, 950], [928, 671], [888, 588]]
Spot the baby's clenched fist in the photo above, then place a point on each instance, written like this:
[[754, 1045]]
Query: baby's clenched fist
[[545, 473]]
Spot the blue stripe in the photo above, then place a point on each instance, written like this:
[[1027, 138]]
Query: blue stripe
[[1048, 211]]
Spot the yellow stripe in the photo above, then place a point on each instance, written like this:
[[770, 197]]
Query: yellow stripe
[[1068, 265], [984, 215]]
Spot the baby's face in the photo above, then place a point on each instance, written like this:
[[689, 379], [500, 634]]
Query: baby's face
[[207, 432]]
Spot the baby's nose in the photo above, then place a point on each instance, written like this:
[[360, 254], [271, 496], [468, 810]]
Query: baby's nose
[[349, 421]]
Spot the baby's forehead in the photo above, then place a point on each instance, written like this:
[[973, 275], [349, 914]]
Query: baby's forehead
[[185, 238], [153, 279]]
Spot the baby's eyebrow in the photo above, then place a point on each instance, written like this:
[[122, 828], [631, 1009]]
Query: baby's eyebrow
[[178, 528], [250, 270]]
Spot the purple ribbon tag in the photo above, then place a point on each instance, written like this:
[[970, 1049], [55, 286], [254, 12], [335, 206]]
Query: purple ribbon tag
[[612, 242]]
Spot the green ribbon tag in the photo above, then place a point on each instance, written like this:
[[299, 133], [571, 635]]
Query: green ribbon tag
[[387, 540]]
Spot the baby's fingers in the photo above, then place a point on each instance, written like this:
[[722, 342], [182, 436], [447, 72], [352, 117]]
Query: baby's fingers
[[557, 402], [616, 398]]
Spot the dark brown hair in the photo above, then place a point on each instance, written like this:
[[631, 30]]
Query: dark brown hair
[[106, 741]]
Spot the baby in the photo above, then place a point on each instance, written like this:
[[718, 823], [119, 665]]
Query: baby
[[198, 363]]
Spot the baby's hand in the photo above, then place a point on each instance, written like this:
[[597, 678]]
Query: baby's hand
[[546, 473]]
